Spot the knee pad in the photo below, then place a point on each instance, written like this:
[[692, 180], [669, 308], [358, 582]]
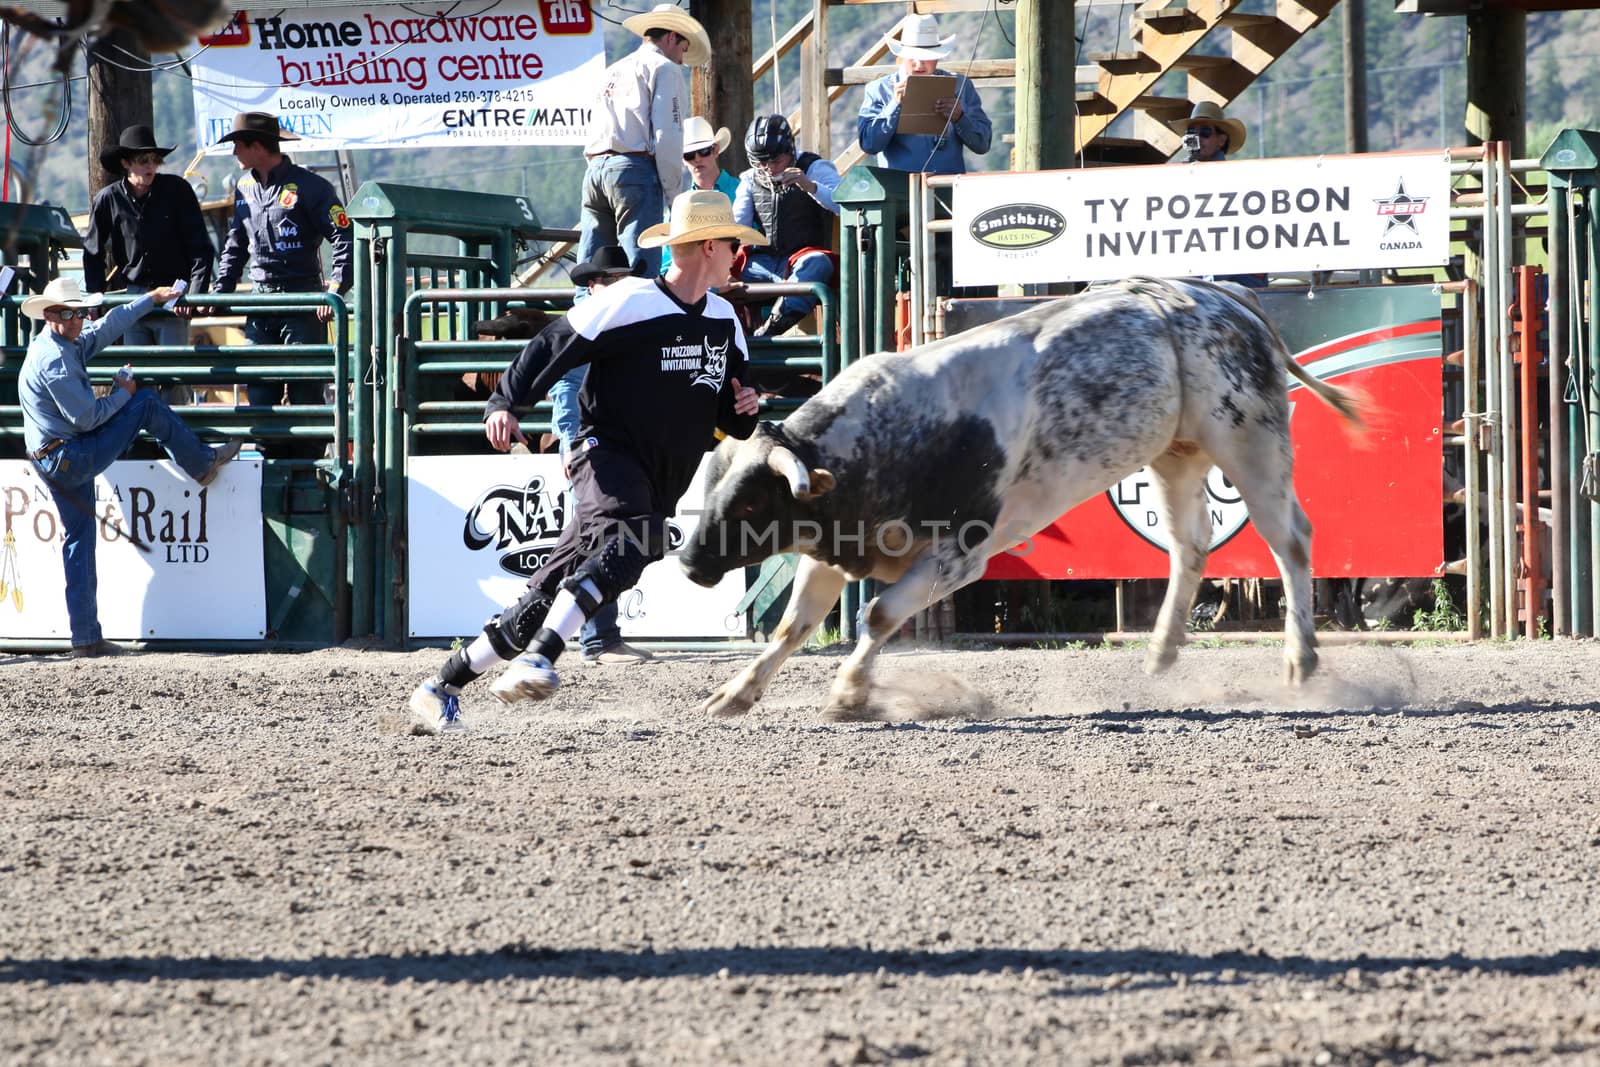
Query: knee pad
[[512, 630], [632, 547], [578, 587]]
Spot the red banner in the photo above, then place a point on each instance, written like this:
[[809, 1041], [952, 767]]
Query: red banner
[[1375, 498]]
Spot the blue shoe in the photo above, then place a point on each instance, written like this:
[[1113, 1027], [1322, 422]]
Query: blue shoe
[[436, 708], [530, 677]]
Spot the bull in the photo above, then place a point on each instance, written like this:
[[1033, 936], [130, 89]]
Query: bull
[[915, 468]]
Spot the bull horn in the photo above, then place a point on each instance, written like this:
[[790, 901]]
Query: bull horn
[[786, 465]]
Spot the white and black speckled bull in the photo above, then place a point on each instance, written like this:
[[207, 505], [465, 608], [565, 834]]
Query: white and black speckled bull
[[916, 467]]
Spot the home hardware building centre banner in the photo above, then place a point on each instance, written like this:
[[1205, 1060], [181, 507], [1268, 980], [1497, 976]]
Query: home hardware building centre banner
[[477, 72], [1326, 213]]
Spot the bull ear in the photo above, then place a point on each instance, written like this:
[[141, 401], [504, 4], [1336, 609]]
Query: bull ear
[[803, 484]]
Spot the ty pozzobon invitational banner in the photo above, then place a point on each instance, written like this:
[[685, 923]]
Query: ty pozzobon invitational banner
[[1376, 211], [474, 72]]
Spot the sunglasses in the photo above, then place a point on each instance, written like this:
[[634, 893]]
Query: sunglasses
[[69, 314], [1204, 131], [146, 157], [708, 150]]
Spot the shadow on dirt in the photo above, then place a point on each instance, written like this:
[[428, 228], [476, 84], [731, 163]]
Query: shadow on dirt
[[528, 962]]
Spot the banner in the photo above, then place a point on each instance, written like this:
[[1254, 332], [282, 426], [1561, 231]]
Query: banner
[[1199, 219], [476, 72], [479, 526], [203, 574], [1375, 499]]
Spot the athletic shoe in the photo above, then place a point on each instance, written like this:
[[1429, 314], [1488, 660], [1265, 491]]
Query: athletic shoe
[[530, 677], [618, 654], [436, 708]]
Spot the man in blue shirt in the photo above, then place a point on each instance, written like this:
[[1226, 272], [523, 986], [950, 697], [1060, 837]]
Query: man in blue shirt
[[281, 215], [72, 437], [919, 50]]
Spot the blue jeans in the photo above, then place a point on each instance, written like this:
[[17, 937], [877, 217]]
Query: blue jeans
[[621, 199], [765, 265], [70, 472], [157, 328], [296, 329], [602, 631]]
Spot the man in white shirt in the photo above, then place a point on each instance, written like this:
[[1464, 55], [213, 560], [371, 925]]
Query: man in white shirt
[[636, 154]]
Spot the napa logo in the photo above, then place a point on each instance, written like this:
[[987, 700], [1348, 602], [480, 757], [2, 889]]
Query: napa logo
[[521, 523], [1014, 227]]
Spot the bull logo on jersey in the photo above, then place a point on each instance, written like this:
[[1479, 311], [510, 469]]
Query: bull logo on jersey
[[715, 366]]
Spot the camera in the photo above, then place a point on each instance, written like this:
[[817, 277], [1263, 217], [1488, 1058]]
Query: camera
[[1191, 144]]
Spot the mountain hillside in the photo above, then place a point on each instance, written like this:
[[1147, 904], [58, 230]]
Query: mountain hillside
[[1416, 94]]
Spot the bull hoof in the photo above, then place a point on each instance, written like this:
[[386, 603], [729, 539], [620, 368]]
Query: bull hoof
[[839, 711], [1296, 672], [726, 705], [1159, 659]]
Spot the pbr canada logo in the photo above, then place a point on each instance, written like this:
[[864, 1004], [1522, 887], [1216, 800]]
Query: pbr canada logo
[[1135, 500], [1401, 211], [1015, 227]]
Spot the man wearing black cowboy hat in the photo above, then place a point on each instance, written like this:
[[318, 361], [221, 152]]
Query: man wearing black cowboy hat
[[146, 231], [281, 215]]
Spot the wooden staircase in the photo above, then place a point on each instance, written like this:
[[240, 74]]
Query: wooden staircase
[[1220, 49]]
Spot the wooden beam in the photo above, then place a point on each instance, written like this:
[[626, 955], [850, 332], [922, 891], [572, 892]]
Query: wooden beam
[[721, 90], [1497, 78], [118, 98], [1046, 42]]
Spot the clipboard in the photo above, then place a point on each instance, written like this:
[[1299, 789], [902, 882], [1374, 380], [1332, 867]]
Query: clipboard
[[916, 107]]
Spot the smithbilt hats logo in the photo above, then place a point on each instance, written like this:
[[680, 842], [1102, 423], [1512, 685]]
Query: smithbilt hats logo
[[1014, 227]]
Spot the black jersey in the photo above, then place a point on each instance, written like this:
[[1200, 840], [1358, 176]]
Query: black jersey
[[660, 378]]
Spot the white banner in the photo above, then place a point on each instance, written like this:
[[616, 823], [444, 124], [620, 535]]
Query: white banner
[[202, 576], [479, 526], [477, 72], [1195, 219]]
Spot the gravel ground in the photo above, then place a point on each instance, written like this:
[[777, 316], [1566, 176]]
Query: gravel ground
[[250, 859]]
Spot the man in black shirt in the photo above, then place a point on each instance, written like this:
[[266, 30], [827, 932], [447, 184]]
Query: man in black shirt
[[665, 357], [281, 215], [149, 227]]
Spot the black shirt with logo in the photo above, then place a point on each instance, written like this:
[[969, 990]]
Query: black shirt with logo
[[660, 378], [279, 223]]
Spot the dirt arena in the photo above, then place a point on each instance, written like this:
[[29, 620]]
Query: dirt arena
[[250, 859]]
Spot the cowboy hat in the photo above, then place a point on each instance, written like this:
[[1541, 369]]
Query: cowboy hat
[[697, 135], [133, 141], [919, 39], [259, 125], [61, 292], [1208, 114], [699, 215], [671, 17], [609, 262]]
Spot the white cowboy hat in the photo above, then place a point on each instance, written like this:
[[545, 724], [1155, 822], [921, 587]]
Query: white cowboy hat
[[62, 292], [699, 215], [1208, 114], [674, 18], [919, 39], [697, 135]]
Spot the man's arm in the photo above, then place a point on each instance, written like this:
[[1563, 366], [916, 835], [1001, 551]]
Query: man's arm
[[826, 178], [973, 127], [236, 250], [541, 363], [109, 330], [667, 109], [96, 241], [744, 201], [77, 403], [879, 116], [196, 241], [738, 404]]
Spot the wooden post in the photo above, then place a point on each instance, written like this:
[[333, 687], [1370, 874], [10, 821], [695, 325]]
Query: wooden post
[[1497, 76], [1355, 76], [118, 98], [816, 131], [721, 89], [1046, 38]]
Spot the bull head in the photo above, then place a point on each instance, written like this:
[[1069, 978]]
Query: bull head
[[804, 483]]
